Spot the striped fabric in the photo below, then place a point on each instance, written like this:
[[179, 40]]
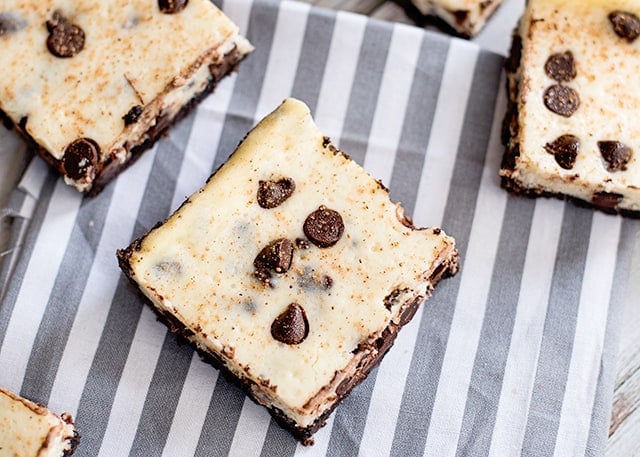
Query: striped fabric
[[513, 356]]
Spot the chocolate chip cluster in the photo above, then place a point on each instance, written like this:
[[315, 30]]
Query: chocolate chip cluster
[[564, 101], [323, 228], [65, 40]]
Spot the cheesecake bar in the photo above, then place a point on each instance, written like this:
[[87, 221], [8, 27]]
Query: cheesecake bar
[[91, 84], [291, 269], [28, 429], [572, 128], [467, 17]]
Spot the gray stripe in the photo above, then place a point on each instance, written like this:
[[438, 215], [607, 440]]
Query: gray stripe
[[493, 347], [306, 86], [558, 334], [426, 363], [365, 89], [357, 126], [313, 57], [226, 403], [221, 420], [601, 416], [347, 433], [124, 313], [65, 297], [248, 86], [24, 257], [162, 398]]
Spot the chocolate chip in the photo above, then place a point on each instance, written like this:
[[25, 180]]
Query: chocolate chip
[[606, 199], [132, 115], [324, 227], [275, 256], [565, 150], [9, 24], [625, 24], [273, 193], [327, 282], [615, 154], [561, 100], [172, 6], [292, 326], [65, 38], [80, 159], [560, 66]]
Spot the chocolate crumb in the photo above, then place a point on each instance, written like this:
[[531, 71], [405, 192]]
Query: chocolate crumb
[[65, 38], [625, 24], [561, 100], [606, 199], [565, 150], [291, 326], [561, 66], [274, 193], [172, 6], [324, 227], [132, 115], [80, 159], [301, 243], [615, 154]]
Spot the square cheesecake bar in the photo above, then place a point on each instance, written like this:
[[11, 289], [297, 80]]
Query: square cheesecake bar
[[291, 269], [91, 84], [28, 429], [467, 17], [572, 128]]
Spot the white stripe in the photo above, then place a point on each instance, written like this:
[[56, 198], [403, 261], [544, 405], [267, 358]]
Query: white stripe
[[133, 386], [38, 281], [203, 141], [404, 50], [445, 134], [466, 325], [192, 409], [283, 58], [251, 430], [339, 72], [33, 178], [588, 343], [524, 348], [102, 281], [395, 86]]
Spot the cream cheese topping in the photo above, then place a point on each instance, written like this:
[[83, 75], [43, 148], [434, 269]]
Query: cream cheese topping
[[133, 55], [31, 430], [607, 69], [198, 265]]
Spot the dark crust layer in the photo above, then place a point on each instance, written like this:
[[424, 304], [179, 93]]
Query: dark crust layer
[[510, 131], [110, 169], [373, 351], [423, 20], [73, 444]]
